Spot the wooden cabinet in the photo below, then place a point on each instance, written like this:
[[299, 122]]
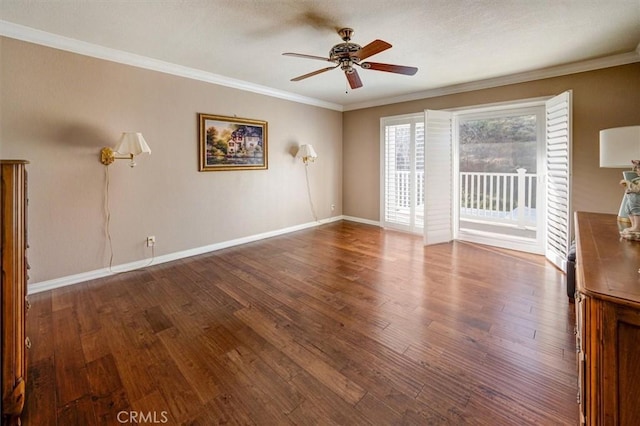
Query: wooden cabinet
[[608, 322], [13, 236]]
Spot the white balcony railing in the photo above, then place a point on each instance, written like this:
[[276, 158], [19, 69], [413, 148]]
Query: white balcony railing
[[403, 188], [502, 198], [508, 198]]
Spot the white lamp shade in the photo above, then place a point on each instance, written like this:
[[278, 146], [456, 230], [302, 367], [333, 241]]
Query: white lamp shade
[[618, 146], [306, 151], [132, 143]]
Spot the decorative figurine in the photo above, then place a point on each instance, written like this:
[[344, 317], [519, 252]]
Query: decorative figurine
[[632, 202]]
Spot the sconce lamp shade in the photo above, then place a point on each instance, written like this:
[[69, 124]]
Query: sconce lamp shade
[[307, 153], [618, 146], [132, 144]]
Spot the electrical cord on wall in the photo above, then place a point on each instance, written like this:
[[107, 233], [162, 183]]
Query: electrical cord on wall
[[107, 212], [313, 209]]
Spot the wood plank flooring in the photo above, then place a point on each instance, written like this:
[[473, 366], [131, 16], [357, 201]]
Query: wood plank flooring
[[341, 324]]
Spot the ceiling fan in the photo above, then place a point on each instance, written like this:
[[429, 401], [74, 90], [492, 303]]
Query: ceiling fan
[[347, 55]]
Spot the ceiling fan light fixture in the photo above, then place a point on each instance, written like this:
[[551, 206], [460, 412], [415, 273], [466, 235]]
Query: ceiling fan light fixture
[[346, 66]]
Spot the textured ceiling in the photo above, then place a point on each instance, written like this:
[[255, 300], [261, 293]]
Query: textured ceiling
[[450, 41]]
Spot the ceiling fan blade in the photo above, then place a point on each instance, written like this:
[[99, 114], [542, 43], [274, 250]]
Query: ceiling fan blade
[[300, 55], [311, 74], [398, 69], [354, 78], [376, 46]]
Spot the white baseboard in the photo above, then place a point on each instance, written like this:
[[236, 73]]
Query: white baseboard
[[105, 272], [360, 220]]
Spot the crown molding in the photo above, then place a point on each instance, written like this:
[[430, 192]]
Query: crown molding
[[28, 34], [31, 35], [523, 77]]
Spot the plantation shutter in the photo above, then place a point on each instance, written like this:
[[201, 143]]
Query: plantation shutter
[[402, 177], [558, 165], [396, 190], [438, 174]]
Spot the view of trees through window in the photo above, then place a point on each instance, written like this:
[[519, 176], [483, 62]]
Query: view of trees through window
[[491, 152], [400, 136], [498, 145], [402, 139]]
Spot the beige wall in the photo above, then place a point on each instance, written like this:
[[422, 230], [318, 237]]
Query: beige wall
[[59, 109], [601, 99]]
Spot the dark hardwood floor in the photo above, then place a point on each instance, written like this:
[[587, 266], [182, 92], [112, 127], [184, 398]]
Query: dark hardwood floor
[[340, 324]]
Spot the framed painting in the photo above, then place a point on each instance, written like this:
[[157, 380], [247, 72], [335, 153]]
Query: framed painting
[[232, 143]]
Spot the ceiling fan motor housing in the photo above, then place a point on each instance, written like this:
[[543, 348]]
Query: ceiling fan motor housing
[[344, 53], [343, 50]]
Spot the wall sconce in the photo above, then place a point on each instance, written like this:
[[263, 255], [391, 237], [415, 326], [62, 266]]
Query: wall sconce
[[618, 146], [307, 153], [130, 145]]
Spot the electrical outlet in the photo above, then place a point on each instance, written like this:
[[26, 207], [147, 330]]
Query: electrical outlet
[[333, 207], [151, 241]]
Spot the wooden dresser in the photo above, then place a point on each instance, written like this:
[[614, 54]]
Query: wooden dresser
[[13, 247], [608, 322]]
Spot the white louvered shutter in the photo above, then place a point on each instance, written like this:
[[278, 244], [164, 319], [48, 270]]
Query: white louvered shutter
[[402, 165], [558, 159], [438, 177], [396, 165]]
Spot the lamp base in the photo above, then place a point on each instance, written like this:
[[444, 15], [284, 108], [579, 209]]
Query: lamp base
[[629, 235], [623, 223]]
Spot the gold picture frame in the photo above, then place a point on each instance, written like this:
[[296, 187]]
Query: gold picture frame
[[232, 143]]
